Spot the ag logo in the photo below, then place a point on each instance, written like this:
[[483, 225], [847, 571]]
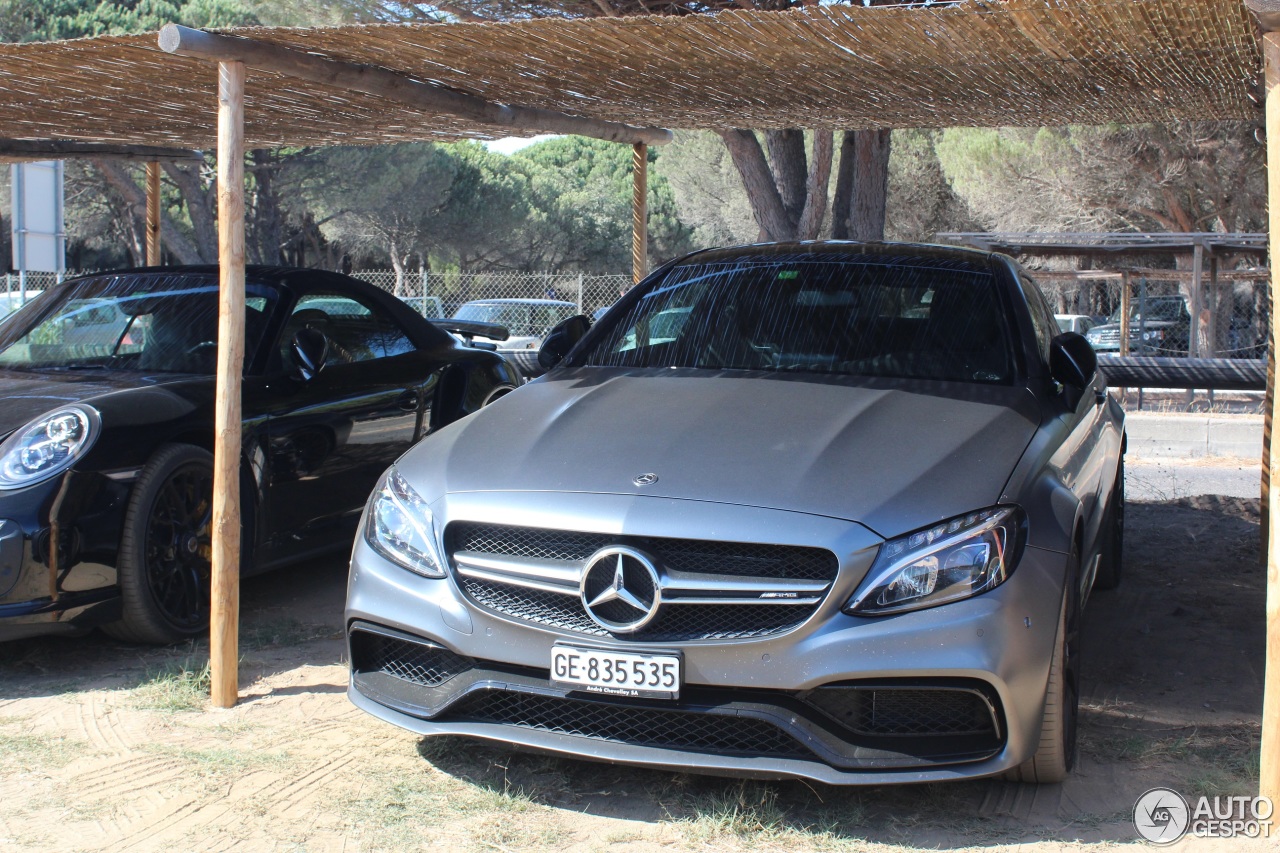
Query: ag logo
[[1161, 816]]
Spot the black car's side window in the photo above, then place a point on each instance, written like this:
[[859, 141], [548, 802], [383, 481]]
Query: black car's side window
[[356, 332]]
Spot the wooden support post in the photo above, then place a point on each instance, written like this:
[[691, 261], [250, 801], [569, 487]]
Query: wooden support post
[[1124, 324], [639, 211], [153, 214], [225, 601], [1197, 300], [1124, 314], [1269, 777]]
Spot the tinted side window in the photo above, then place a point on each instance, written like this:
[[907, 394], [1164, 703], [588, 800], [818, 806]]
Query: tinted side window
[[356, 332]]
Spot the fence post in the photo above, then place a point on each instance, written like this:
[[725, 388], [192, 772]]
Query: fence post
[[422, 301], [580, 309]]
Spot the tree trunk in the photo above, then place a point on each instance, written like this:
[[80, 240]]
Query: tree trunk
[[268, 219], [870, 184], [815, 206], [790, 169], [787, 190], [118, 178], [201, 202], [762, 191], [843, 201]]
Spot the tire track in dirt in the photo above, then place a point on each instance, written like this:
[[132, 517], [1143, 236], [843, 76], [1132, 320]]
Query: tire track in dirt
[[91, 718]]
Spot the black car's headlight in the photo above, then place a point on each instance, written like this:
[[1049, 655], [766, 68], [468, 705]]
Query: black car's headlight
[[47, 446], [959, 558], [400, 527]]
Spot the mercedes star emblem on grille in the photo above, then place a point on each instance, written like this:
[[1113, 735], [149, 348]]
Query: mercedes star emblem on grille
[[620, 589], [646, 479]]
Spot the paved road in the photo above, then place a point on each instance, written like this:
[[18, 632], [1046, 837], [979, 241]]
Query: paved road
[[1165, 479]]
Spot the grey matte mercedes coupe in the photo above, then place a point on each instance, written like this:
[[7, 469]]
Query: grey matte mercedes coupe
[[819, 510]]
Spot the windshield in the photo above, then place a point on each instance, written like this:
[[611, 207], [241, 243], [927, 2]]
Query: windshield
[[520, 319], [153, 323], [863, 315], [1165, 308]]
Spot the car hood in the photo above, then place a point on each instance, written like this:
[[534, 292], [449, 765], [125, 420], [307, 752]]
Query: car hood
[[891, 454], [29, 394]]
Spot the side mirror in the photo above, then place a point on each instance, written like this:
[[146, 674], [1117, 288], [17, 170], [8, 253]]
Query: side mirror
[[310, 350], [1072, 361], [561, 339]]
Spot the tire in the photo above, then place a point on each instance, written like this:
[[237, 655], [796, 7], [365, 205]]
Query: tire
[[1111, 565], [163, 564], [1056, 753]]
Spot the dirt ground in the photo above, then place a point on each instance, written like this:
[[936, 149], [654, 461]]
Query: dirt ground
[[111, 747]]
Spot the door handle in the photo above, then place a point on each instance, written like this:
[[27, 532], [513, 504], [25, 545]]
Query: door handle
[[409, 401]]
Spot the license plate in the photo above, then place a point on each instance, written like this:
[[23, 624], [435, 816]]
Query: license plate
[[653, 676]]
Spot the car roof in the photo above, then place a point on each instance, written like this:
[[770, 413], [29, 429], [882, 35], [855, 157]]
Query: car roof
[[837, 250], [519, 302]]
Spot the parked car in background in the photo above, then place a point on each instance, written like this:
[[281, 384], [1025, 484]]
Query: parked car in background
[[13, 300], [107, 426], [1158, 325], [527, 320], [428, 306], [1078, 323], [819, 510]]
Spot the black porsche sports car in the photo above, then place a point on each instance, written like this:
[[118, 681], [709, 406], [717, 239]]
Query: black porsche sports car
[[106, 432]]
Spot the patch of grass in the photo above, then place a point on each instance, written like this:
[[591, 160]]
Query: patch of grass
[[423, 809], [281, 632], [25, 751], [222, 760], [1104, 746], [177, 686]]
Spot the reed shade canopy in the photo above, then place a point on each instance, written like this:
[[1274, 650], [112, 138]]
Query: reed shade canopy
[[974, 63]]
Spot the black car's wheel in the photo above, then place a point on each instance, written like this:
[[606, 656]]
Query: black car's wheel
[[1112, 563], [164, 560], [1056, 753]]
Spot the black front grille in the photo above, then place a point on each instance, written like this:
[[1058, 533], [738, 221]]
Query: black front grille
[[735, 559], [700, 732], [906, 711], [420, 663], [674, 623]]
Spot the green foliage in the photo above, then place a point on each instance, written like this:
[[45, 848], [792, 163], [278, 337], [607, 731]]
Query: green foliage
[[47, 20], [457, 202], [707, 190], [581, 193]]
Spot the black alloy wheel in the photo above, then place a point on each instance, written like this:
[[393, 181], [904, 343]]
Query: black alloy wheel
[[165, 549]]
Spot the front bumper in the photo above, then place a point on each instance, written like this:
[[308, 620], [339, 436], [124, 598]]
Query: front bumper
[[48, 591], [996, 646]]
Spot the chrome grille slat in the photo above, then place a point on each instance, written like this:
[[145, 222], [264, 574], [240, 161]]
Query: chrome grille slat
[[710, 589]]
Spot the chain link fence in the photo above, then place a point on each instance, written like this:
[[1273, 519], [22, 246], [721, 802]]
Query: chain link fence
[[1233, 306], [20, 289], [1232, 311], [432, 294], [440, 294]]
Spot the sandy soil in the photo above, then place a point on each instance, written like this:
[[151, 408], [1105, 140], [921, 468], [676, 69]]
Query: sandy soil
[[104, 747]]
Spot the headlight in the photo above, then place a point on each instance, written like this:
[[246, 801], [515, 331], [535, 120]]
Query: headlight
[[1153, 335], [46, 447], [400, 527], [956, 559]]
